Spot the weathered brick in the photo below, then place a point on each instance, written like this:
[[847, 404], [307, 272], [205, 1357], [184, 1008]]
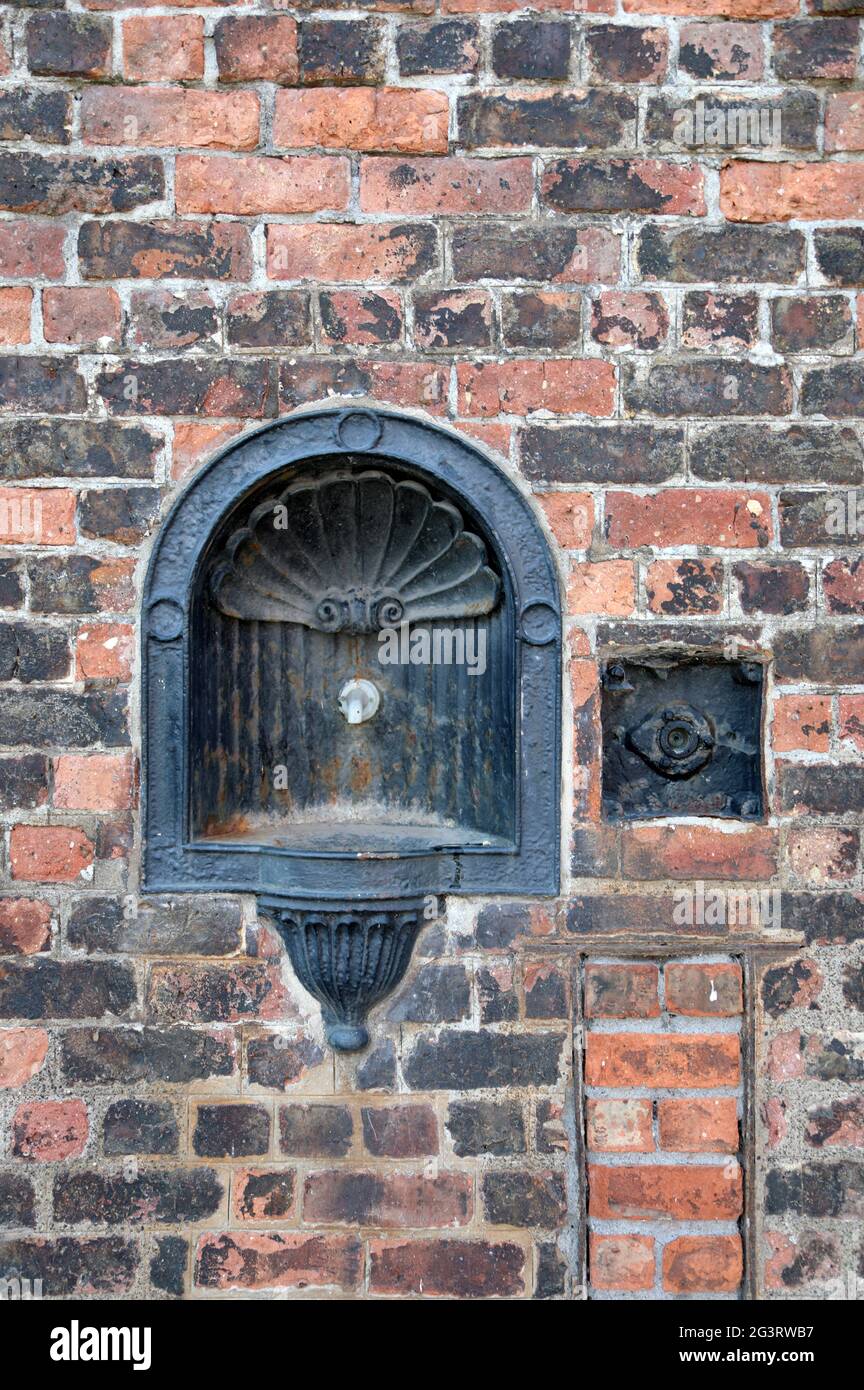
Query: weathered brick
[[602, 586], [69, 989], [104, 651], [17, 1204], [25, 926], [801, 721], [566, 386], [733, 254], [338, 251], [263, 1194], [447, 1268], [816, 1189], [155, 1196], [623, 185], [231, 1131], [250, 184], [821, 789], [508, 251], [530, 48], [388, 1199], [187, 386], [162, 319], [630, 319], [808, 50], [75, 449], [46, 1131], [42, 116], [166, 116], [359, 317], [655, 1059], [315, 1131], [162, 249], [140, 1127], [619, 1126], [722, 386], [15, 309], [68, 45], [712, 320], [341, 51], [400, 1131], [168, 1265], [627, 53], [589, 118], [653, 1192], [621, 991], [843, 583], [465, 1061], [167, 48], [515, 1198], [124, 515], [615, 453], [686, 852], [271, 318], [56, 184], [624, 1263], [486, 1127], [387, 119], [252, 48], [282, 1260], [438, 46], [702, 1264], [210, 993], [454, 185], [128, 1055], [74, 1266], [763, 587], [685, 586], [83, 316], [688, 516]]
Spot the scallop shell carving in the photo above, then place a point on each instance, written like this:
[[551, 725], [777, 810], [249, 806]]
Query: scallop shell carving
[[354, 552]]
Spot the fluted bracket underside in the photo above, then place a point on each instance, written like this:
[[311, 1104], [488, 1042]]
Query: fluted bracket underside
[[348, 957]]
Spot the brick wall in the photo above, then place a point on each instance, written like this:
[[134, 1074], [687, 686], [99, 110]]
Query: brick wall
[[524, 224]]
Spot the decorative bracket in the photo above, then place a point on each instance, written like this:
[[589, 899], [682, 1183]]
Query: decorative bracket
[[348, 956]]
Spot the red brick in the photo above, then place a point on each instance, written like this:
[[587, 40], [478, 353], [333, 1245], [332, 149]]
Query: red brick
[[621, 991], [852, 719], [823, 854], [169, 116], [493, 435], [194, 442], [688, 516], [167, 48], [685, 586], [704, 991], [339, 251], [698, 1061], [37, 516], [699, 1126], [22, 1055], [602, 586], [402, 383], [447, 1268], [731, 52], [252, 48], [82, 315], [703, 1264], [283, 1260], [93, 782], [359, 318], [25, 926], [104, 651], [629, 319], [725, 9], [15, 302], [620, 1126], [565, 386], [263, 1194], [801, 721], [570, 516], [446, 185], [691, 851], [50, 1130], [655, 1191], [401, 120], [759, 192], [624, 1263], [808, 1255], [31, 248], [261, 183], [844, 121], [50, 853], [400, 1131], [388, 1199], [456, 319], [843, 582]]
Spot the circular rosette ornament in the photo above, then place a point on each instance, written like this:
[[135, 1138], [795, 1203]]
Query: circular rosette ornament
[[676, 740]]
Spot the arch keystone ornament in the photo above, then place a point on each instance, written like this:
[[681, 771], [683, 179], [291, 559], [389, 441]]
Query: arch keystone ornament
[[284, 756]]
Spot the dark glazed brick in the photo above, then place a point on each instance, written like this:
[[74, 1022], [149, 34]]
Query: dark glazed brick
[[156, 1195], [378, 319], [496, 995], [511, 252], [377, 1070], [732, 254], [811, 324], [821, 790], [591, 119], [546, 994], [33, 653], [122, 515], [677, 125], [168, 1265], [452, 319], [133, 250], [275, 318], [57, 184], [765, 587], [76, 449], [67, 989], [315, 1131], [11, 584], [813, 50], [79, 584], [625, 53], [437, 994], [525, 1199], [265, 1196], [140, 1127], [835, 391], [276, 1061], [535, 319], [23, 780], [499, 925], [816, 1189], [69, 45], [531, 48], [73, 1266], [231, 1131], [722, 320], [42, 116], [159, 319], [815, 519], [790, 454], [126, 1055], [189, 386], [441, 46], [787, 987], [825, 919], [400, 1131], [822, 655], [551, 1277], [17, 1203], [625, 453], [825, 1122], [853, 987], [840, 255], [179, 926], [46, 717], [620, 185], [41, 383], [448, 1268], [340, 52], [486, 1127], [458, 1061], [722, 386]]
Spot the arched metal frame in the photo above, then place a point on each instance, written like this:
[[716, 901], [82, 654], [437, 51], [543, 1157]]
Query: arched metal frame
[[173, 860]]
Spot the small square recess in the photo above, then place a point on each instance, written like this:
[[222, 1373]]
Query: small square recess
[[682, 737]]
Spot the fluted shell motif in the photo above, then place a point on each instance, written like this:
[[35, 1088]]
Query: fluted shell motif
[[354, 552]]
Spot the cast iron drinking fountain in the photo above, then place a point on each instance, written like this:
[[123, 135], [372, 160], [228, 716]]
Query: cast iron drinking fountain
[[351, 666]]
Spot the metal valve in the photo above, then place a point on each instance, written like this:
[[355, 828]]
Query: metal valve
[[359, 701]]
